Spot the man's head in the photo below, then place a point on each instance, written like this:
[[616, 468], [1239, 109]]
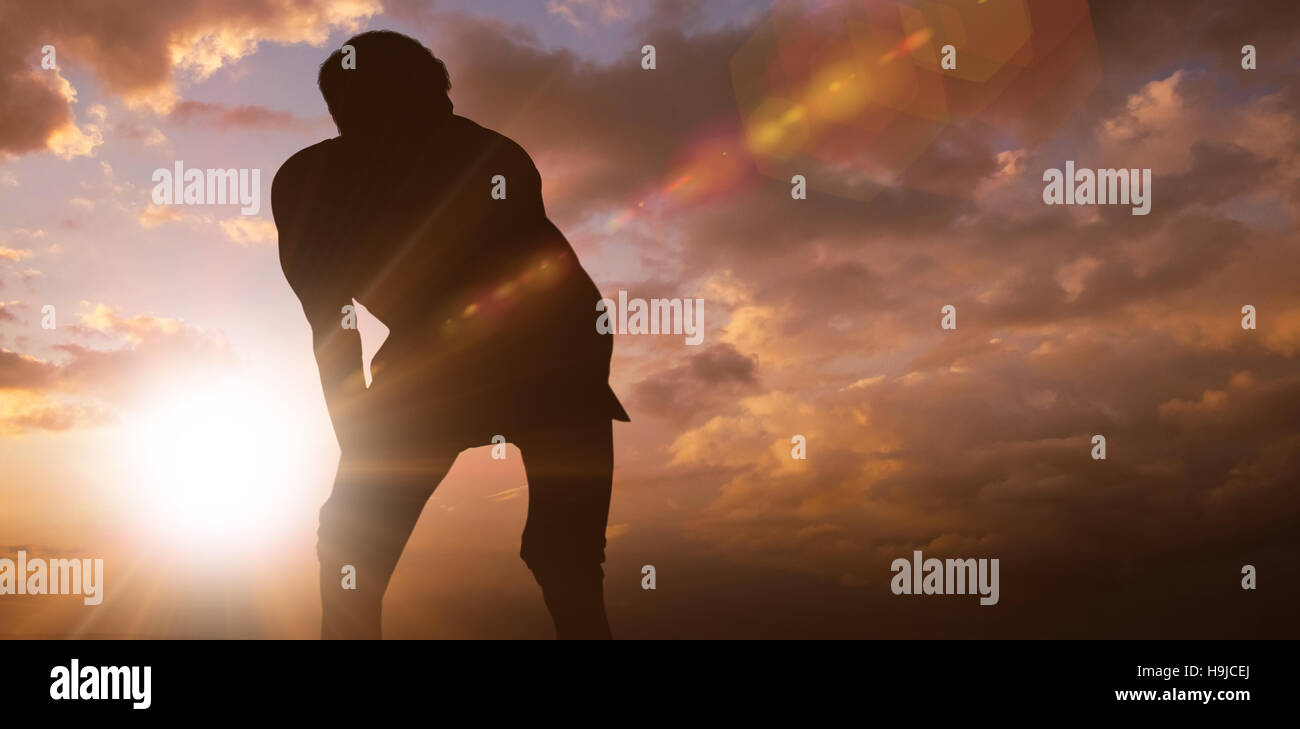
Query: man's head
[[397, 84]]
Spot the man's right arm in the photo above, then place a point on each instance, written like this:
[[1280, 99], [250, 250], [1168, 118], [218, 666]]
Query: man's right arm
[[320, 287]]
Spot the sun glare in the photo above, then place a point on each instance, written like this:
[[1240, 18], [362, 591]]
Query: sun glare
[[217, 464]]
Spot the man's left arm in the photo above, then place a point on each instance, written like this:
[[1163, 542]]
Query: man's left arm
[[573, 301]]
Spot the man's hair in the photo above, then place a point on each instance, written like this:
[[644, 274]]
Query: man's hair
[[397, 82]]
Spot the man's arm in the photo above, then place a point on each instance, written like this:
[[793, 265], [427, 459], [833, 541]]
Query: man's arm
[[321, 289], [581, 349]]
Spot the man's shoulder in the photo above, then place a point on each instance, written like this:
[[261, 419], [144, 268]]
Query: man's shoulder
[[306, 161], [498, 146]]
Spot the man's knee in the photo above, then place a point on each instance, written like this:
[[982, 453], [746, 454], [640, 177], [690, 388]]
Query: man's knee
[[370, 527], [338, 522]]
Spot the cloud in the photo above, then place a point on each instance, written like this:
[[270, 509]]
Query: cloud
[[147, 135], [85, 386], [249, 231], [24, 413], [11, 254], [69, 140], [19, 371], [1144, 38], [582, 14], [717, 374], [33, 104], [242, 117], [155, 215], [167, 45]]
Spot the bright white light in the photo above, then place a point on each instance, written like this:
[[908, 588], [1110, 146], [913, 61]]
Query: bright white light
[[218, 462]]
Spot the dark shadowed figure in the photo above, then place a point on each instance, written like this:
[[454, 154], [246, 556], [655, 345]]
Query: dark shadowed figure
[[492, 331]]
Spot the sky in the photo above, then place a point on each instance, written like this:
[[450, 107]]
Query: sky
[[171, 421]]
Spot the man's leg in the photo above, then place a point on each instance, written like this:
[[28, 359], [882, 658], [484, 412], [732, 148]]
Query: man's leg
[[365, 523], [570, 471]]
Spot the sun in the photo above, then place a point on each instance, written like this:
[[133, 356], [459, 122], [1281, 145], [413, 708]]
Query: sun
[[216, 462]]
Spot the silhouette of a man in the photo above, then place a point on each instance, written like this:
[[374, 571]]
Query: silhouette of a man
[[436, 226]]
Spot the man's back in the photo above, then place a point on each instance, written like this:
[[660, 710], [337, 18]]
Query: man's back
[[489, 311]]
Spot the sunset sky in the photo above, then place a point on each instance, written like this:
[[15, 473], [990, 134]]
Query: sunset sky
[[172, 423]]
